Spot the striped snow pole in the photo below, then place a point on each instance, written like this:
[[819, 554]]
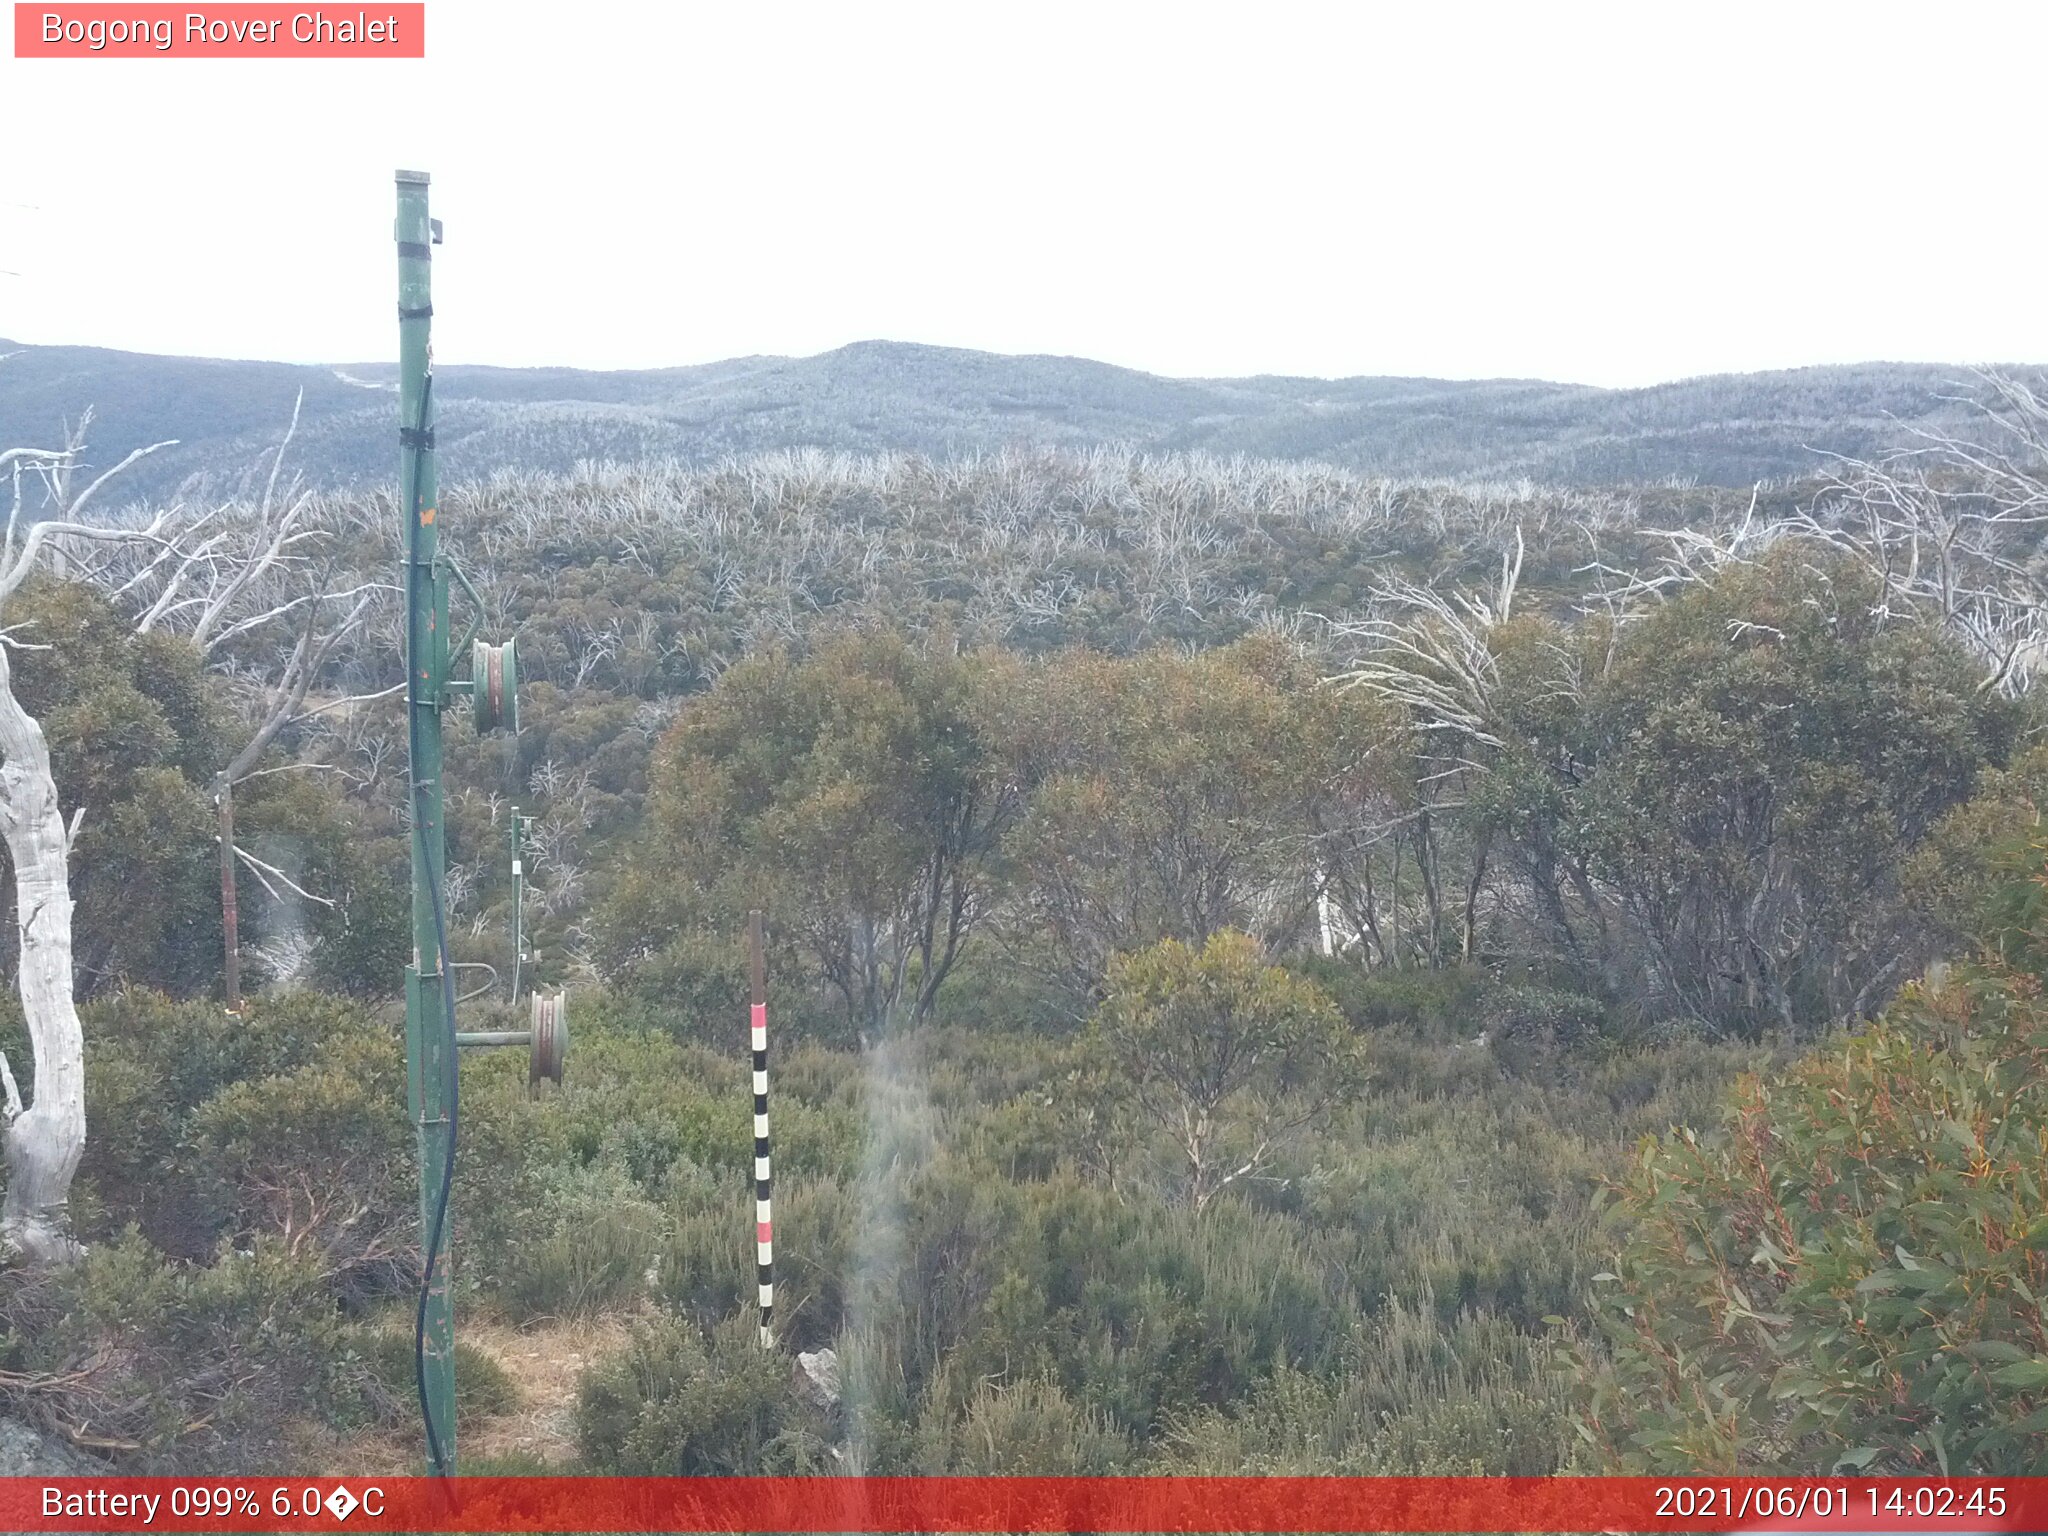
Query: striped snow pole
[[764, 1223]]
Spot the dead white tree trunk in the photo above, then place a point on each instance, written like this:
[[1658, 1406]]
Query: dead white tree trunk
[[45, 1141], [45, 1138]]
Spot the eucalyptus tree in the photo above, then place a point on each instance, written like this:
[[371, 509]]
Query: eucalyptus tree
[[1700, 798], [1749, 777], [850, 794], [1174, 796], [1219, 1054]]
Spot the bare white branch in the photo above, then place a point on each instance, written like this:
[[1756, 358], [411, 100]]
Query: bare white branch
[[273, 872]]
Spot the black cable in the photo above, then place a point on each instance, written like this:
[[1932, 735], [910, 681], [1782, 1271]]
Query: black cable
[[435, 1453]]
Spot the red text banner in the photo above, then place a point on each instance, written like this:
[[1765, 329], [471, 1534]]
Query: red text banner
[[226, 31], [1025, 1504]]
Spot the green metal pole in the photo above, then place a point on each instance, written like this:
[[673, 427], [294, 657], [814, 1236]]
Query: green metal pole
[[429, 1060], [518, 904]]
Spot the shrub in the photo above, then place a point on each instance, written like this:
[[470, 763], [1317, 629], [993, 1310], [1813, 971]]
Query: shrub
[[1440, 1004], [196, 1368], [1963, 878], [1219, 1056], [482, 1387], [598, 1236], [707, 1273], [677, 1402], [1528, 1026], [321, 1156], [1849, 1274], [202, 1122], [1025, 1428], [1418, 1395]]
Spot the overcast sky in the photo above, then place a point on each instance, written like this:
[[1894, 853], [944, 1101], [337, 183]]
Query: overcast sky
[[1609, 195]]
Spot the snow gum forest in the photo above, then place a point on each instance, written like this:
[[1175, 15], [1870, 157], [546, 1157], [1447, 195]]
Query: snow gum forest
[[1272, 966]]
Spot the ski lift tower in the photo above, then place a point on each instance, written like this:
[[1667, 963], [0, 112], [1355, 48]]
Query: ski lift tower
[[431, 1039]]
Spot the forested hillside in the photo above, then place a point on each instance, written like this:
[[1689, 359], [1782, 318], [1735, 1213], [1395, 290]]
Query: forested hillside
[[883, 396], [1274, 967]]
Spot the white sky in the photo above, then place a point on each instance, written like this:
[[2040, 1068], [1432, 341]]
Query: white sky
[[1607, 194]]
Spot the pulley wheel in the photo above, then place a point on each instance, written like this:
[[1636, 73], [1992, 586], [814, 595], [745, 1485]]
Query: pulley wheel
[[550, 1039], [494, 670]]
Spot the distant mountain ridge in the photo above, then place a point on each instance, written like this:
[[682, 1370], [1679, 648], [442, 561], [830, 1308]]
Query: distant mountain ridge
[[1726, 429]]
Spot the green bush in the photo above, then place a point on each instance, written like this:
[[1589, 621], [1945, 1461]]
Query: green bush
[[1023, 1428], [707, 1272], [676, 1402], [596, 1236], [1139, 1309], [1438, 1004], [198, 1368], [482, 1388], [1528, 1027], [1203, 1061], [1850, 1273], [1417, 1395], [323, 1157], [288, 1118], [1964, 878]]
